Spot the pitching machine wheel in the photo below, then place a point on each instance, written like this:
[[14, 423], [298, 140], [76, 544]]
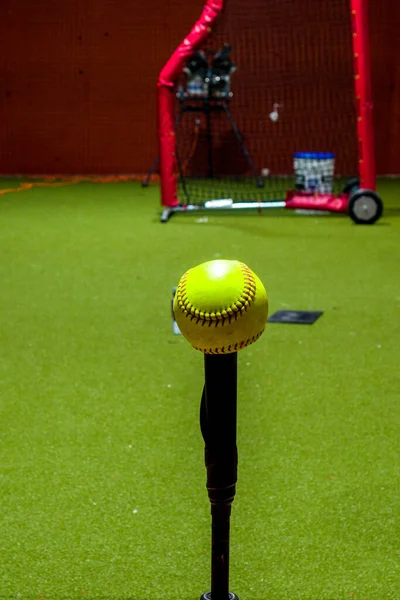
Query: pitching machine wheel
[[365, 207]]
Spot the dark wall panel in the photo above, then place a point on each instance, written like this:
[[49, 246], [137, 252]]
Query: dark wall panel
[[78, 82]]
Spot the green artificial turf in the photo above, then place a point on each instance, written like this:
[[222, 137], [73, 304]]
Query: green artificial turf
[[102, 481]]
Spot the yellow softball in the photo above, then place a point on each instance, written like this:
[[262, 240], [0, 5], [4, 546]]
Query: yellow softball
[[221, 306]]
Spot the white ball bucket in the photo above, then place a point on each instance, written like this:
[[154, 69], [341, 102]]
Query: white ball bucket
[[314, 171]]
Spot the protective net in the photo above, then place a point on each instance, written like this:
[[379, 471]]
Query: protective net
[[292, 92]]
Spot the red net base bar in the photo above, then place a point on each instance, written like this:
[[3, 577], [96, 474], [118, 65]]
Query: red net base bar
[[312, 201]]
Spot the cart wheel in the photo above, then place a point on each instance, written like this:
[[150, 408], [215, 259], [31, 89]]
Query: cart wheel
[[351, 186], [365, 207]]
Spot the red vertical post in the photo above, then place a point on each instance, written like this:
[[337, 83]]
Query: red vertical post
[[166, 99], [363, 91], [167, 144]]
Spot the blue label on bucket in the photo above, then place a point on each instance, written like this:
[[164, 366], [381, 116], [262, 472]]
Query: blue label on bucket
[[312, 184]]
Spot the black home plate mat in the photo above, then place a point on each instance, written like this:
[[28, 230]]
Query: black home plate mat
[[301, 317]]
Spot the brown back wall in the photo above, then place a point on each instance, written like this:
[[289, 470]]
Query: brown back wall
[[77, 82]]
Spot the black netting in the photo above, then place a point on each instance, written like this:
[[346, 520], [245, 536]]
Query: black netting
[[293, 91]]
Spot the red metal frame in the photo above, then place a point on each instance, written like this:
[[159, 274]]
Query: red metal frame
[[166, 99], [364, 104], [365, 124]]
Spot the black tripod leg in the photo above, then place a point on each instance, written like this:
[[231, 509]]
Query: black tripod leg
[[209, 143], [153, 169], [243, 147]]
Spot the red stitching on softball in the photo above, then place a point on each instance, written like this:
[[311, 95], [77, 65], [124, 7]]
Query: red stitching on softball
[[235, 311], [231, 348]]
